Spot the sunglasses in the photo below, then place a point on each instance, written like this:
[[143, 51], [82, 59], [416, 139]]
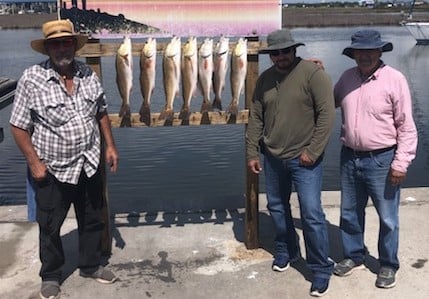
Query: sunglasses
[[64, 42], [281, 51]]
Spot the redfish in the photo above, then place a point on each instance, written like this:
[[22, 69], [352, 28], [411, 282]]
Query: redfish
[[189, 67], [124, 78], [171, 76], [238, 73], [147, 77], [220, 61], [205, 72]]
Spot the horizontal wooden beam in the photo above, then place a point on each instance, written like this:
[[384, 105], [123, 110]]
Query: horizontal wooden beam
[[109, 49], [195, 119]]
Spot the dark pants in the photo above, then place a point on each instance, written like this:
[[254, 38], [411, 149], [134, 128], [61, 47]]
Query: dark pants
[[53, 203]]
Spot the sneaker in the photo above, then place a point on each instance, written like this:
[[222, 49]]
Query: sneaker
[[280, 263], [386, 278], [102, 275], [319, 287], [50, 290], [346, 267]]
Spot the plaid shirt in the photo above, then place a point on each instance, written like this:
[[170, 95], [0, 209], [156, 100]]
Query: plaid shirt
[[66, 135]]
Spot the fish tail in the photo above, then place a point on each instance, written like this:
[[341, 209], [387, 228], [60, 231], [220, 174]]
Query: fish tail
[[205, 107], [125, 110], [233, 108], [217, 103], [145, 114], [184, 112], [167, 114]]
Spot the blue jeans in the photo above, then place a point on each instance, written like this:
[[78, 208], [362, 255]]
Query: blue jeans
[[279, 177], [363, 177], [31, 201]]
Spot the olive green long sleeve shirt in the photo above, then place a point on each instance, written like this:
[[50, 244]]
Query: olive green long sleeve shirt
[[291, 113]]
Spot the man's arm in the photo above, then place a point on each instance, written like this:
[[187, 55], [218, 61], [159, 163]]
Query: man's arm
[[23, 140], [112, 157], [321, 87]]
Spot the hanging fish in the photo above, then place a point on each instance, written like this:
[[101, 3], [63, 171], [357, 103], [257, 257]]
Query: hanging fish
[[124, 78], [220, 61], [171, 76], [238, 73], [189, 67], [147, 77], [205, 72]]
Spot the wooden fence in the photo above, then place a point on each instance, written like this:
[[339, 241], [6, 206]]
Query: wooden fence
[[94, 50]]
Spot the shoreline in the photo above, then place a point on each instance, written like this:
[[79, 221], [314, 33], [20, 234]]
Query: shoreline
[[291, 18]]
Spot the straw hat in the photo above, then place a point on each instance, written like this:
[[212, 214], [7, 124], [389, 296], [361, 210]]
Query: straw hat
[[279, 39], [57, 29], [366, 40]]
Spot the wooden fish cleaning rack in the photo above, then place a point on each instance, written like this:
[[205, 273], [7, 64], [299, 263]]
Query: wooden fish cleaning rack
[[94, 50]]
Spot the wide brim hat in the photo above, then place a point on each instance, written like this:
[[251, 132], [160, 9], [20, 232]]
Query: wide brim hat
[[367, 40], [58, 29], [279, 39]]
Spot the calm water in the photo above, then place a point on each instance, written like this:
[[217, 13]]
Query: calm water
[[193, 168]]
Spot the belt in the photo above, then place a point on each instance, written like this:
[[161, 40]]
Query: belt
[[369, 153]]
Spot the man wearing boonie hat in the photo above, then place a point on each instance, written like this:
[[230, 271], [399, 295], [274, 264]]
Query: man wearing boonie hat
[[61, 101], [379, 142], [290, 121]]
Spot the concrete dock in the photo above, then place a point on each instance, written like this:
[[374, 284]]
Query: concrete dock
[[202, 255]]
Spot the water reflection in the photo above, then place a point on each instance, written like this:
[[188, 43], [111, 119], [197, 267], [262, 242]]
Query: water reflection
[[200, 168]]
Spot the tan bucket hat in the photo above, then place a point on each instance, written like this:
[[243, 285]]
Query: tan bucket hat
[[57, 29], [279, 39]]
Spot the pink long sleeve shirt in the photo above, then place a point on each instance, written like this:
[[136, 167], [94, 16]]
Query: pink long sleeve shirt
[[377, 113]]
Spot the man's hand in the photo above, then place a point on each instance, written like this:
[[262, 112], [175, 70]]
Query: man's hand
[[396, 177], [112, 158], [254, 166], [38, 170], [305, 160], [318, 62]]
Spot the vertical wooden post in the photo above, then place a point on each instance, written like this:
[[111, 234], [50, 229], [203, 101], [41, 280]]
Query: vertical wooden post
[[106, 239], [252, 180]]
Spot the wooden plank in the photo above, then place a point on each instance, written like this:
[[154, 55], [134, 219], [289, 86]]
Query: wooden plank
[[106, 238], [109, 49], [251, 221], [195, 119]]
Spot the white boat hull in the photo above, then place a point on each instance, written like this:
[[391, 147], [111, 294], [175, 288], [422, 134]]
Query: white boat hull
[[420, 31]]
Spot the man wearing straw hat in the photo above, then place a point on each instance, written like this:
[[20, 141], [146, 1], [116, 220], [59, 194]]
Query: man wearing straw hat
[[290, 122], [61, 101], [379, 142]]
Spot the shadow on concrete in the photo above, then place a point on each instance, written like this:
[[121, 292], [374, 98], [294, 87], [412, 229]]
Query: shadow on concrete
[[70, 244], [217, 217]]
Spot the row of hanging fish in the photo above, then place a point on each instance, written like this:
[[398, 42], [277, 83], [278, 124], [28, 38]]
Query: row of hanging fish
[[188, 67]]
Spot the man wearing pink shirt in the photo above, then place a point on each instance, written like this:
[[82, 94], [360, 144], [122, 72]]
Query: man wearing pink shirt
[[379, 142]]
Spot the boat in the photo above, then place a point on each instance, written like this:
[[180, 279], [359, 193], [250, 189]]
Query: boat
[[7, 92], [419, 30]]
